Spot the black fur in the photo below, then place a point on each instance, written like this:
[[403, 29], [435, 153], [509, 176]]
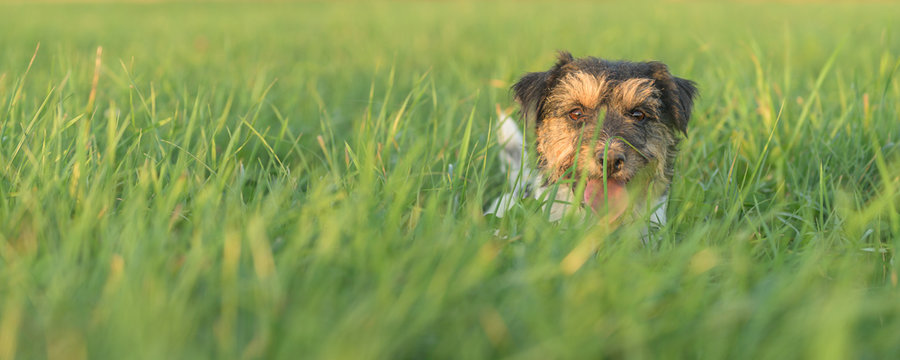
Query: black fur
[[677, 94], [532, 89], [687, 91], [662, 101]]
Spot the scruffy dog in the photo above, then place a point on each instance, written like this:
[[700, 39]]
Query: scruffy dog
[[607, 137]]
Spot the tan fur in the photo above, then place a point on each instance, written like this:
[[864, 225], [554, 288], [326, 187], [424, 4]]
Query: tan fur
[[556, 142], [659, 148], [633, 93], [580, 90], [612, 121], [560, 139]]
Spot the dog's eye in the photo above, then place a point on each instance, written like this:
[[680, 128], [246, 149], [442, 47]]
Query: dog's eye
[[575, 114], [637, 114]]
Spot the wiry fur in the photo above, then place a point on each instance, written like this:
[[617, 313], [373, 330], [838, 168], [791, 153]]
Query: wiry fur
[[607, 140]]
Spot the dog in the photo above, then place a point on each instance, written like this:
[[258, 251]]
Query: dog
[[607, 135]]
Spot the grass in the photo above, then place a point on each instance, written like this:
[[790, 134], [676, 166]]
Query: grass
[[308, 180]]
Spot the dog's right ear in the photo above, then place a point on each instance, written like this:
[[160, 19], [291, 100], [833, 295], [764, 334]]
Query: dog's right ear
[[533, 88], [677, 95]]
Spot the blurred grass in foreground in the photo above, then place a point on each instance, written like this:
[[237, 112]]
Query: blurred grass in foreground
[[247, 181]]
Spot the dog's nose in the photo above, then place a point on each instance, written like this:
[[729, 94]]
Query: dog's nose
[[615, 162]]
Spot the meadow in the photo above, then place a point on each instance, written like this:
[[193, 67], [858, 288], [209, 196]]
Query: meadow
[[308, 180]]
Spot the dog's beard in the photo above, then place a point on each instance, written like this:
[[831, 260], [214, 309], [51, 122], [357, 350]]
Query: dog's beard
[[614, 197]]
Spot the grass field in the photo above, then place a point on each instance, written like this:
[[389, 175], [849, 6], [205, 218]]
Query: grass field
[[308, 180]]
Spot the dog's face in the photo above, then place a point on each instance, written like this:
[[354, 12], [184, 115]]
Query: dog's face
[[605, 121]]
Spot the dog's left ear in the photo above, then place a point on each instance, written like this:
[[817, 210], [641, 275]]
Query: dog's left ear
[[532, 89], [677, 95], [530, 92]]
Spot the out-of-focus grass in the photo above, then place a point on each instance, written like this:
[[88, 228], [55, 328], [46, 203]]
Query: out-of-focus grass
[[275, 180]]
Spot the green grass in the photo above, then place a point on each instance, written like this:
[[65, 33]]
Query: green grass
[[273, 181]]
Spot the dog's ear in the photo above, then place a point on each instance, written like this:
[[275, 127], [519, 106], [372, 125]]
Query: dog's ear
[[532, 89], [677, 95], [687, 91]]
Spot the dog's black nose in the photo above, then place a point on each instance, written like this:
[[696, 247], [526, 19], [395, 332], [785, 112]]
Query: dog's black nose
[[615, 163]]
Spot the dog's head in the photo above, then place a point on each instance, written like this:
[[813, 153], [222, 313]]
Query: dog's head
[[606, 121]]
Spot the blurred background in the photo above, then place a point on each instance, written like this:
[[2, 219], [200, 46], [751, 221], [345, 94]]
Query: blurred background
[[237, 179]]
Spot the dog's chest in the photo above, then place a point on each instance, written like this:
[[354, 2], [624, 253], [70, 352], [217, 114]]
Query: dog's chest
[[564, 199]]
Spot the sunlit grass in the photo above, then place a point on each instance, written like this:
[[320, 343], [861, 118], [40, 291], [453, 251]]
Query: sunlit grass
[[308, 180]]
